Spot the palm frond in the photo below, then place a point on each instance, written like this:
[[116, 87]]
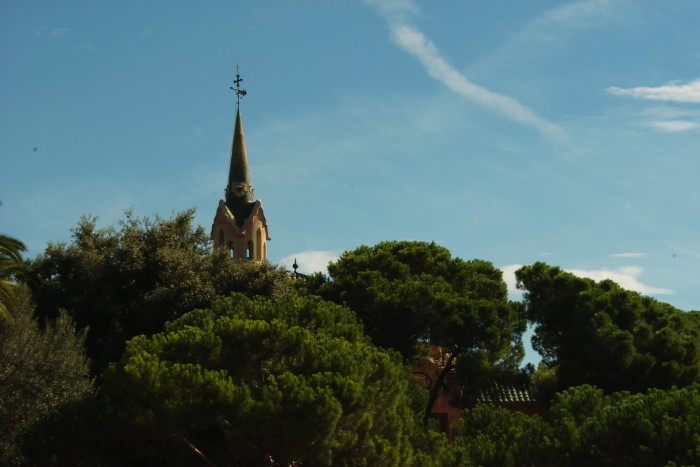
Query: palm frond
[[11, 248]]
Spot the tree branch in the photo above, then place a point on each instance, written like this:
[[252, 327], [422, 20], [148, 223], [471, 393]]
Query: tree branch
[[440, 383]]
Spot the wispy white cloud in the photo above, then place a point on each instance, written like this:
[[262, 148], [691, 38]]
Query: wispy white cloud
[[672, 126], [58, 32], [671, 112], [50, 32], [556, 23], [548, 32], [690, 252], [310, 261], [671, 119], [673, 91], [413, 41], [509, 278], [627, 277], [394, 10], [627, 255], [576, 15]]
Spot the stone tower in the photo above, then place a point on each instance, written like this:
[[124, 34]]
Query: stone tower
[[239, 223]]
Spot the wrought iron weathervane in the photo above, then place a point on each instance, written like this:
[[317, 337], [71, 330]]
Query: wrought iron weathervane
[[239, 92]]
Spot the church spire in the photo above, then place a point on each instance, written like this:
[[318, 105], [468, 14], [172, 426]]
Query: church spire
[[238, 175], [239, 190], [239, 224]]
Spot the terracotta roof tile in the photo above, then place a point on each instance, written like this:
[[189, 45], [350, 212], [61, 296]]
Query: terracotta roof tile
[[498, 394]]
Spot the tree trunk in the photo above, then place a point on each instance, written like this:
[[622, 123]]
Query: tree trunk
[[439, 384]]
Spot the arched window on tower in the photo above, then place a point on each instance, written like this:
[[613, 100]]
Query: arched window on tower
[[258, 245], [231, 250], [221, 237], [250, 249]]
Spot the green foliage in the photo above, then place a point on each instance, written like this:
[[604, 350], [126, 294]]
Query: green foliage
[[659, 427], [10, 264], [601, 334], [39, 370], [544, 382], [587, 427], [494, 436], [433, 449], [295, 378], [76, 432], [122, 282], [409, 293]]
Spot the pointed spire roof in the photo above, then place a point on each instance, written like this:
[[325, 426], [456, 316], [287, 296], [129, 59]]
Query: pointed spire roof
[[239, 158], [239, 192]]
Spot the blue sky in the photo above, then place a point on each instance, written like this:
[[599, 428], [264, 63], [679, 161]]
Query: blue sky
[[564, 132]]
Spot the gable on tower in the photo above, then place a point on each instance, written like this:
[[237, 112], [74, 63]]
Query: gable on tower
[[239, 223]]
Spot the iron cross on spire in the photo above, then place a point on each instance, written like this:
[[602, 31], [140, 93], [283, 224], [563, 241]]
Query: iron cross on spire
[[239, 92]]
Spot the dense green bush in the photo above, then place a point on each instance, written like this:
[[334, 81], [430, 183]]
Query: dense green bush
[[122, 282], [601, 334], [294, 378], [40, 369], [587, 427]]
